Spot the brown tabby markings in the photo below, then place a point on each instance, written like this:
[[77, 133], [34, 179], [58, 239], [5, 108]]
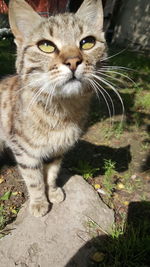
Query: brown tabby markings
[[43, 109]]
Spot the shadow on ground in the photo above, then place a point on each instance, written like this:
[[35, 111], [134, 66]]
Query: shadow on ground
[[99, 110], [146, 165], [129, 249], [85, 152], [95, 156], [7, 158]]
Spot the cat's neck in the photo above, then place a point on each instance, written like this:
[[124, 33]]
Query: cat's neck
[[33, 99]]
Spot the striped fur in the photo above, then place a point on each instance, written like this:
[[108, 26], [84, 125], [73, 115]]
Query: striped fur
[[42, 109]]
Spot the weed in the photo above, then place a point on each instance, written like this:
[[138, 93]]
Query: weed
[[117, 230], [109, 168], [126, 248], [130, 184], [127, 245], [145, 146], [116, 131], [144, 197], [85, 169], [143, 101], [2, 217], [5, 211], [6, 196]]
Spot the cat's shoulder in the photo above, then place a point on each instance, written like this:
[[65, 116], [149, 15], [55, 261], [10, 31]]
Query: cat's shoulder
[[8, 82]]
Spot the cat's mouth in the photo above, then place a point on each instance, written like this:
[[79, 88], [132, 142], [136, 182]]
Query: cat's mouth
[[73, 86], [73, 79]]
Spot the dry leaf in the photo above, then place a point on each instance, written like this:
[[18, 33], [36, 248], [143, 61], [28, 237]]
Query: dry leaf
[[97, 186], [120, 186], [1, 180], [98, 256], [126, 203]]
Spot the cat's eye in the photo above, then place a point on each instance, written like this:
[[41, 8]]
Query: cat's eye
[[87, 43], [46, 46]]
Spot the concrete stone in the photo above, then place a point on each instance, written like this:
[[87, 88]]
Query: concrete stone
[[51, 241]]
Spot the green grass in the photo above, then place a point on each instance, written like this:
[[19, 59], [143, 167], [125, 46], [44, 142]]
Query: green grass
[[5, 211], [143, 100], [108, 181], [128, 245], [116, 130], [85, 169], [136, 61], [131, 185], [135, 91]]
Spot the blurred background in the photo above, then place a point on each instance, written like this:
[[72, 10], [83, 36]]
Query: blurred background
[[126, 23]]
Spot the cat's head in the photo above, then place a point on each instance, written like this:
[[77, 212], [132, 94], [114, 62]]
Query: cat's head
[[58, 54]]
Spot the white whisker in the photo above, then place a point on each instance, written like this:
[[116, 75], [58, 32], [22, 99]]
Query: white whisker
[[121, 74], [110, 77], [112, 104], [120, 52], [117, 67], [95, 87], [33, 84], [50, 97], [35, 97], [112, 87], [22, 88]]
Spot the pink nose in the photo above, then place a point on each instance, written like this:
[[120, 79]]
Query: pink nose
[[73, 63]]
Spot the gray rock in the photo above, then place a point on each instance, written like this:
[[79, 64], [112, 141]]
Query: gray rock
[[61, 238]]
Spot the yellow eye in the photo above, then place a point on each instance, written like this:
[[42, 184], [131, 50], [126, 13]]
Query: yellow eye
[[46, 46], [87, 43]]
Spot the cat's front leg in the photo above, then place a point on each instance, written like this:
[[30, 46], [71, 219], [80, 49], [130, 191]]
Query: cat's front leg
[[32, 172], [55, 193]]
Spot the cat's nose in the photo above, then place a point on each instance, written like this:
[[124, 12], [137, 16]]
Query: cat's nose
[[73, 63]]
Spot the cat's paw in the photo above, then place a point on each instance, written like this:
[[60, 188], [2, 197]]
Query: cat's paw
[[56, 195], [39, 209]]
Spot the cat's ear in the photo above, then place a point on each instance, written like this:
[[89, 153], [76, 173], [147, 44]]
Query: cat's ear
[[22, 19], [92, 12]]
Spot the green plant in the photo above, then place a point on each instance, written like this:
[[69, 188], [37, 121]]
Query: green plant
[[145, 146], [2, 217], [131, 184], [109, 168], [118, 129], [85, 169], [115, 131], [143, 101], [128, 245]]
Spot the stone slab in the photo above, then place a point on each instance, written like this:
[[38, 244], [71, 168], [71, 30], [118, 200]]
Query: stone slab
[[51, 241]]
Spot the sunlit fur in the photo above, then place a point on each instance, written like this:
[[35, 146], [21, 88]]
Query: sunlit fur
[[44, 107]]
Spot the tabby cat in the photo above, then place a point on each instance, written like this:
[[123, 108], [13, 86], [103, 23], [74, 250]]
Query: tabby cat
[[43, 108]]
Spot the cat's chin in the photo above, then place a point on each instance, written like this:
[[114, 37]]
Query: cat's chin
[[71, 88]]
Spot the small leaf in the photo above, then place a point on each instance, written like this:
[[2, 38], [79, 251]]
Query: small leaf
[[101, 191], [1, 180], [120, 186], [6, 196], [1, 208], [98, 256], [126, 203], [14, 211], [1, 219], [15, 193]]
